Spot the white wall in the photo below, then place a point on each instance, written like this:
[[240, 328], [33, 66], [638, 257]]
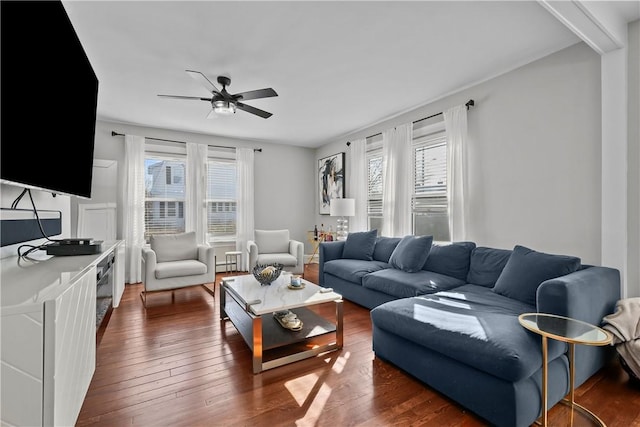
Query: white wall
[[534, 154], [283, 175]]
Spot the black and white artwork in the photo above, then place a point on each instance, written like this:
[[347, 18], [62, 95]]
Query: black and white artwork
[[331, 180]]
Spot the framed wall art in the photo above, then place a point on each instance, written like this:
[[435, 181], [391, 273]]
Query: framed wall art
[[331, 180]]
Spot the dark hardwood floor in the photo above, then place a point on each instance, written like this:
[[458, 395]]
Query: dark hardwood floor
[[176, 363]]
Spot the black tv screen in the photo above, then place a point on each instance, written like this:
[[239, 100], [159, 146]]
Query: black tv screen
[[49, 94]]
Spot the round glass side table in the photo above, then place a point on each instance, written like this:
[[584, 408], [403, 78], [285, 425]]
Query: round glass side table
[[572, 332]]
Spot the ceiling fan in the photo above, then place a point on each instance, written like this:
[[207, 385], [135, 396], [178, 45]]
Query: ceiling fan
[[222, 102]]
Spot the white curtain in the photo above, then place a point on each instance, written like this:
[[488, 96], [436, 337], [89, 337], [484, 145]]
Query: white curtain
[[358, 183], [134, 207], [455, 121], [195, 205], [397, 181], [244, 207]]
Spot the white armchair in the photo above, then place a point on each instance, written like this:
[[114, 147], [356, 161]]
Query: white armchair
[[175, 261], [271, 246]]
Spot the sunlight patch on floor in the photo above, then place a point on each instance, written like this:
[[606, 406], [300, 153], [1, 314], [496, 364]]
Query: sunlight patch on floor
[[316, 406], [300, 387], [311, 391], [341, 362]]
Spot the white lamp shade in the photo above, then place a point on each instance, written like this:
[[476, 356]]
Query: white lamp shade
[[342, 207]]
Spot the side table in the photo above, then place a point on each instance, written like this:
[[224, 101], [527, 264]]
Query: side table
[[573, 332], [232, 258]]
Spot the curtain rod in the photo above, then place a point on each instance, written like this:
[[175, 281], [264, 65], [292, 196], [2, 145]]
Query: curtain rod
[[114, 133], [469, 104]]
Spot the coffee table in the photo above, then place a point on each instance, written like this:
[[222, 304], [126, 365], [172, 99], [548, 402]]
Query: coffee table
[[573, 332], [250, 307]]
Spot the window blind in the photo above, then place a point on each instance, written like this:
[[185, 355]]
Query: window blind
[[429, 201], [221, 199]]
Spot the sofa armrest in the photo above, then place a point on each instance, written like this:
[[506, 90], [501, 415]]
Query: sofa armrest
[[206, 255], [296, 248], [252, 252], [328, 251], [149, 261], [588, 294]]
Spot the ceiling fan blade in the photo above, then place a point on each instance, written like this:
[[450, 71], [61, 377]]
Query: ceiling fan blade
[[255, 94], [253, 110], [186, 97], [203, 80]]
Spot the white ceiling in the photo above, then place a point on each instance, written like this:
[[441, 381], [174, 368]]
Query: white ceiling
[[336, 66]]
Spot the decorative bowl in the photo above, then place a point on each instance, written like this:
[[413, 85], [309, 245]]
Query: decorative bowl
[[267, 273]]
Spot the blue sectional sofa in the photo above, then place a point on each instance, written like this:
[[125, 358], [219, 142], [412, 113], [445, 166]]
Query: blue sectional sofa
[[452, 321]]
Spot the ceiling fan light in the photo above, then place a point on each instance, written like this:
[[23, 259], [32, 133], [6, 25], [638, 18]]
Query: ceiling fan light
[[224, 107]]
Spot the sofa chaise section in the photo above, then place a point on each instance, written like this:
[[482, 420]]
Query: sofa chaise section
[[468, 344]]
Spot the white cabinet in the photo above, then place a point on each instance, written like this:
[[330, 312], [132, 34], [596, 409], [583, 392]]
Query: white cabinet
[[48, 326]]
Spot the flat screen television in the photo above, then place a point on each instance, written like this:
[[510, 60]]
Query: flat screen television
[[49, 94]]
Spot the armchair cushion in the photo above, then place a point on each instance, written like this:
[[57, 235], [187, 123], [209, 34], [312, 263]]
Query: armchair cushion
[[188, 267], [287, 260], [174, 247], [272, 241]]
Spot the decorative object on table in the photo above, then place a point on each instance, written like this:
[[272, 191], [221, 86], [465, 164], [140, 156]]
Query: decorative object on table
[[331, 180], [296, 282], [266, 274], [288, 320], [342, 208]]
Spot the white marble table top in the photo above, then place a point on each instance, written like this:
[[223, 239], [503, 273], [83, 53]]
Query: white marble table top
[[277, 296]]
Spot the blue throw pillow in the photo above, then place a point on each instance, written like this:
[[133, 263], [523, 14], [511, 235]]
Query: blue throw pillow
[[451, 259], [411, 253], [486, 265], [527, 269], [360, 245], [384, 248]]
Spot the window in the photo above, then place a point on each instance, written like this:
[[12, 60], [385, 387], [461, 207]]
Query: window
[[221, 199], [374, 171], [429, 200], [164, 194]]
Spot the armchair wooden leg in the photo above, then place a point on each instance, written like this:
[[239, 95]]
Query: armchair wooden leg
[[143, 297], [211, 290]]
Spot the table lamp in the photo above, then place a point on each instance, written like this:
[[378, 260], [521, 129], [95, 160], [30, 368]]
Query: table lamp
[[342, 208]]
